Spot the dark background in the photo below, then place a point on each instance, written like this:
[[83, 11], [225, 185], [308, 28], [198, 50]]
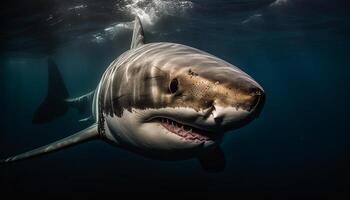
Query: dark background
[[297, 50]]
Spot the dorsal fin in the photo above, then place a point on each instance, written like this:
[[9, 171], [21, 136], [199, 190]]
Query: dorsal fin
[[53, 105], [138, 38]]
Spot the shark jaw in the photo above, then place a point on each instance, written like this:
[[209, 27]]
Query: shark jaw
[[185, 131]]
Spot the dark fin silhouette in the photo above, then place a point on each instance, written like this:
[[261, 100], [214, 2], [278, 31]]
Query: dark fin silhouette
[[82, 103], [213, 160], [138, 37], [82, 136], [54, 104]]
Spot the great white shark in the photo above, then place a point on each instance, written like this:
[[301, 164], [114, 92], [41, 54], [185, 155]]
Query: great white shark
[[161, 100]]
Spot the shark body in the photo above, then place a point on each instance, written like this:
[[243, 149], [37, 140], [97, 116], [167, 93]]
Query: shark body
[[161, 100]]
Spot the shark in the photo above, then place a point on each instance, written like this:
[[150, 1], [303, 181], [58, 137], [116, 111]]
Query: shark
[[161, 100]]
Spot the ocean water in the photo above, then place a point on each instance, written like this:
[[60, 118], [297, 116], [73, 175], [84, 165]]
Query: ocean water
[[298, 50]]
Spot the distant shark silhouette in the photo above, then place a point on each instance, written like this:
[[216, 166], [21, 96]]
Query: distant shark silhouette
[[161, 100]]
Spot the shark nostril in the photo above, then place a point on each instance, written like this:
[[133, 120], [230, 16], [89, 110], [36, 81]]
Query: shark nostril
[[218, 120], [209, 111]]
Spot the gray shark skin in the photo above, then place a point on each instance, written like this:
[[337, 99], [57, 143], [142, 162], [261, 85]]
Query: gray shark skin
[[161, 100]]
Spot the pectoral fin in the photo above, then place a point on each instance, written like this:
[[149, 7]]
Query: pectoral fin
[[82, 136], [213, 160]]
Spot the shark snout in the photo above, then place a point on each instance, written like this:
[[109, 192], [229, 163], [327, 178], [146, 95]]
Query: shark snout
[[239, 108], [259, 101], [257, 97]]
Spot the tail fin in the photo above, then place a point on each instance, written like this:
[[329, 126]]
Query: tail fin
[[137, 35], [54, 104], [82, 136]]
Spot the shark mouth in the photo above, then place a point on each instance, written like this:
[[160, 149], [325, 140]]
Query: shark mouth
[[185, 131]]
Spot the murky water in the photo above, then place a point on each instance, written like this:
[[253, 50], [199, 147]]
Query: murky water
[[298, 51]]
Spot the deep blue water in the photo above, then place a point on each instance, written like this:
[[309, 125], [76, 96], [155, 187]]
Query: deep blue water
[[297, 50]]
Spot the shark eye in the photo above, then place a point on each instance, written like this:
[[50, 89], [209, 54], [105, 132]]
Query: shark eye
[[173, 85]]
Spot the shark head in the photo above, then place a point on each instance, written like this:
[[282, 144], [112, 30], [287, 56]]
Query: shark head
[[177, 100]]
